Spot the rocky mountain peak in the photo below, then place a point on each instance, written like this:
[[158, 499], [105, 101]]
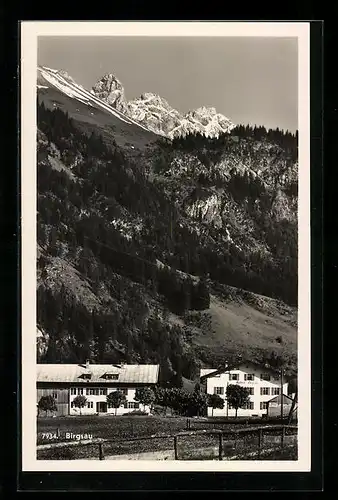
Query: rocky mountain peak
[[111, 90], [203, 110], [155, 113]]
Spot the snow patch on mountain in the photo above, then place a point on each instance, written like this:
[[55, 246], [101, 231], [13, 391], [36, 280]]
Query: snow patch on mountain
[[64, 83]]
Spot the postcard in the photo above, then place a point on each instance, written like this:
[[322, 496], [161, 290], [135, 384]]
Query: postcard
[[165, 246]]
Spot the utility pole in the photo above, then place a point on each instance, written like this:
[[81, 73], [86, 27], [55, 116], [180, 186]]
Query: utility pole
[[226, 397], [281, 384], [293, 405]]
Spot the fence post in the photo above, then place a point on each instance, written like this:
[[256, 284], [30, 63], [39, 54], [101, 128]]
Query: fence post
[[260, 441], [282, 437], [175, 447], [220, 446], [101, 456]]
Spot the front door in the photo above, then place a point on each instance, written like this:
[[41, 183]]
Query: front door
[[101, 407]]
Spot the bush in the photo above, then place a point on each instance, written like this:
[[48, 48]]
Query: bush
[[135, 413], [57, 454]]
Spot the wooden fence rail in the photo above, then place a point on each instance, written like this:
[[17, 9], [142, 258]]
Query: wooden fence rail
[[221, 433], [215, 432]]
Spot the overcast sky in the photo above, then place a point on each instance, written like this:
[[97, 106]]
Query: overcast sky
[[250, 80]]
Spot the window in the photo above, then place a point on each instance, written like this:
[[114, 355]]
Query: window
[[265, 376], [103, 392], [275, 391], [72, 404], [55, 395], [87, 376], [265, 391], [90, 404], [111, 376], [219, 390], [131, 404], [95, 392], [251, 390], [249, 406], [80, 391], [249, 376], [234, 376], [73, 391], [263, 405], [125, 405]]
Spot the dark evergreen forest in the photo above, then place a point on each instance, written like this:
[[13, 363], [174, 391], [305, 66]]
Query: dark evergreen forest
[[75, 211]]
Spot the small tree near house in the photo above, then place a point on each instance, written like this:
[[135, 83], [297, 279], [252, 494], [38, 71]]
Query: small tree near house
[[146, 396], [237, 396], [115, 399], [80, 402], [47, 403], [215, 401], [197, 403]]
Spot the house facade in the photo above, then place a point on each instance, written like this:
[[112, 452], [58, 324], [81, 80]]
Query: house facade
[[274, 406], [64, 382], [263, 384]]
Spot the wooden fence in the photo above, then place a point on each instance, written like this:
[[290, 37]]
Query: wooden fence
[[234, 434], [257, 431]]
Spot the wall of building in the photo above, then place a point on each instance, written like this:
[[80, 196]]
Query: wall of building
[[92, 406], [258, 401], [64, 398], [61, 396], [274, 410]]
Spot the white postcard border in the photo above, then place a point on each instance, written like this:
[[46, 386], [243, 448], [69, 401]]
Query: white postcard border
[[30, 31]]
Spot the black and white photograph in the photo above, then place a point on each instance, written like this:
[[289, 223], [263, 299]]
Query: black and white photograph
[[165, 264]]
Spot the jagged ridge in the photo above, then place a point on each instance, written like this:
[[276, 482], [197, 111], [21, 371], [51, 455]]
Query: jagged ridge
[[155, 112]]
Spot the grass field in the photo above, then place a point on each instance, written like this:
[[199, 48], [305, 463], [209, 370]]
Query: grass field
[[244, 327], [121, 431], [108, 427]]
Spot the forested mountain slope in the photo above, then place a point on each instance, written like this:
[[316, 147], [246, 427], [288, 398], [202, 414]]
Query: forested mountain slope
[[183, 253]]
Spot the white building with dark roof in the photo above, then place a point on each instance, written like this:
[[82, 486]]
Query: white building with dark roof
[[64, 382], [263, 384]]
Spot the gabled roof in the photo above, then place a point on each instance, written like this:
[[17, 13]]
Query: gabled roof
[[278, 399], [211, 372], [72, 373]]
